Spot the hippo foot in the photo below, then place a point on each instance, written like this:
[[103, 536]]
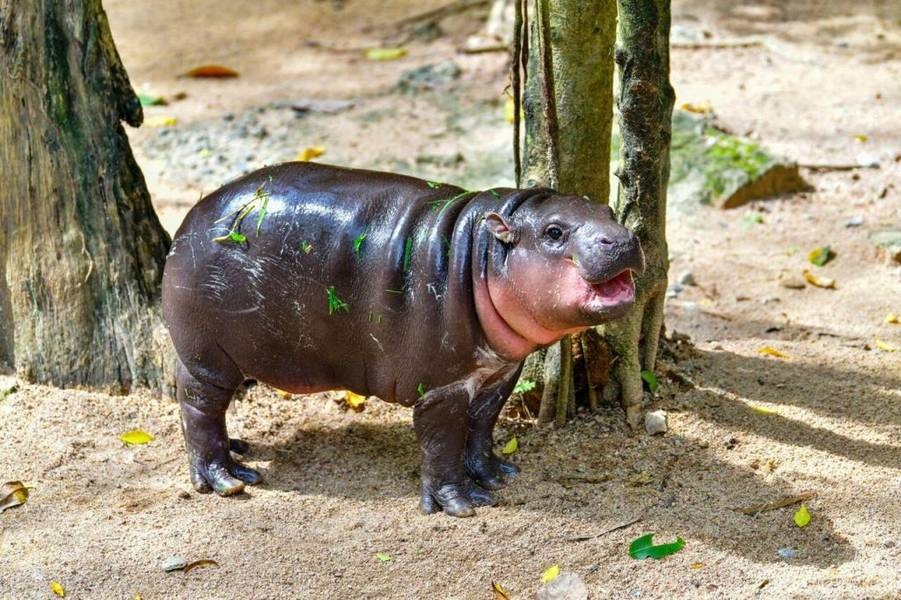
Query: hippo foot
[[226, 478], [238, 446], [491, 471], [456, 500]]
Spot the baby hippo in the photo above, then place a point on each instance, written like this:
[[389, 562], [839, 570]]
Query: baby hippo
[[310, 277]]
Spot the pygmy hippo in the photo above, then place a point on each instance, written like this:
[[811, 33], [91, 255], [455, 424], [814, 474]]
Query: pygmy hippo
[[310, 277]]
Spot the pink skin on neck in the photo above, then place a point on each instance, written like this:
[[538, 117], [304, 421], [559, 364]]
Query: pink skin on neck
[[515, 334]]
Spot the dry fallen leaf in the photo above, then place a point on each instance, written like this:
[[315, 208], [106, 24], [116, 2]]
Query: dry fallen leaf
[[136, 437], [550, 574], [499, 592], [283, 394], [58, 589], [206, 562], [700, 108], [885, 346], [355, 402], [770, 351], [820, 282], [211, 72], [696, 565], [160, 121], [12, 493], [310, 153], [891, 319], [764, 410], [385, 53], [802, 516]]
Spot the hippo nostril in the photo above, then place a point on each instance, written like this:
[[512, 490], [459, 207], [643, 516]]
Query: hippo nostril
[[606, 241]]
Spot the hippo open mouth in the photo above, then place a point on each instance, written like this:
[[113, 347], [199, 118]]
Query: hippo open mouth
[[618, 292]]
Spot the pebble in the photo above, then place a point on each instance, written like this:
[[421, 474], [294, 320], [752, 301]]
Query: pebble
[[791, 281], [855, 221], [787, 553], [674, 290], [687, 278], [567, 586], [655, 422], [174, 563]]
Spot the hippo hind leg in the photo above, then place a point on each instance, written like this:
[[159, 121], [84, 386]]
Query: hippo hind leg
[[203, 406], [483, 465]]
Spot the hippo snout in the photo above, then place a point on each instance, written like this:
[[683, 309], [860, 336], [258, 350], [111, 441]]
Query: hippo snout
[[607, 250]]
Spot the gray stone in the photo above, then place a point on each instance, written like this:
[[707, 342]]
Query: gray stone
[[174, 563], [687, 278], [655, 422], [567, 586]]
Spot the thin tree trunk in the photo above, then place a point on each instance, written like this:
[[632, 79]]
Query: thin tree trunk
[[568, 107], [81, 250], [645, 107]]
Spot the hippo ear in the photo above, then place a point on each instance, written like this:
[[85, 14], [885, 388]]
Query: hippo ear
[[500, 228]]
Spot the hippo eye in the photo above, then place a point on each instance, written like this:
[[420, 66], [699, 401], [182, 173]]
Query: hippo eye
[[554, 232]]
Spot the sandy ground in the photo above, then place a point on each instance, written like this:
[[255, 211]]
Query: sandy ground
[[340, 487]]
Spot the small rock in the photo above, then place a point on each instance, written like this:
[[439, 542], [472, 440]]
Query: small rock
[[174, 563], [184, 494], [655, 422], [687, 278], [787, 553], [888, 543], [868, 160], [674, 290], [731, 442], [791, 281], [855, 221], [889, 244], [567, 586]]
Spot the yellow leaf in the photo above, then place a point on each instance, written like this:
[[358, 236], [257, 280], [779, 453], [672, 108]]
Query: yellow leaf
[[310, 153], [885, 346], [697, 565], [283, 394], [891, 319], [764, 411], [136, 437], [770, 351], [511, 446], [354, 401], [701, 108], [550, 574], [138, 596], [499, 592], [58, 589], [802, 516], [386, 53], [509, 110], [12, 493], [820, 282], [862, 138], [160, 121]]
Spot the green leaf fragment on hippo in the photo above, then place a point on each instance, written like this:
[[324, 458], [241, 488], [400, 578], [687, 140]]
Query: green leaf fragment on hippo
[[523, 386], [306, 247], [408, 252], [394, 291], [494, 193], [334, 302], [650, 378], [643, 547], [358, 243], [433, 184], [420, 389]]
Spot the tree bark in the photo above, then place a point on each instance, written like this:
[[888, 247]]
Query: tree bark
[[568, 114], [81, 250], [645, 106], [568, 110]]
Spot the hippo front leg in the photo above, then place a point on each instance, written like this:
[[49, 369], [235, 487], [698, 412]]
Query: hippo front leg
[[485, 467], [441, 419]]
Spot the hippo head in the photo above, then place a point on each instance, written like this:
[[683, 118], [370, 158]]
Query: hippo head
[[560, 265]]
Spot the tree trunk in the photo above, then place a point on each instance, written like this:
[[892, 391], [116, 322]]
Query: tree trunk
[[568, 114], [568, 107], [81, 250], [645, 106]]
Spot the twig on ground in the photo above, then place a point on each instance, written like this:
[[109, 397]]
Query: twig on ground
[[775, 504], [837, 167], [440, 12], [585, 538], [717, 45]]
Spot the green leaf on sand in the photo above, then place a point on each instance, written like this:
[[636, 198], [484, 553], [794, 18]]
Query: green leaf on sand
[[802, 516], [136, 437], [651, 379], [821, 255], [643, 547], [383, 556], [511, 446]]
